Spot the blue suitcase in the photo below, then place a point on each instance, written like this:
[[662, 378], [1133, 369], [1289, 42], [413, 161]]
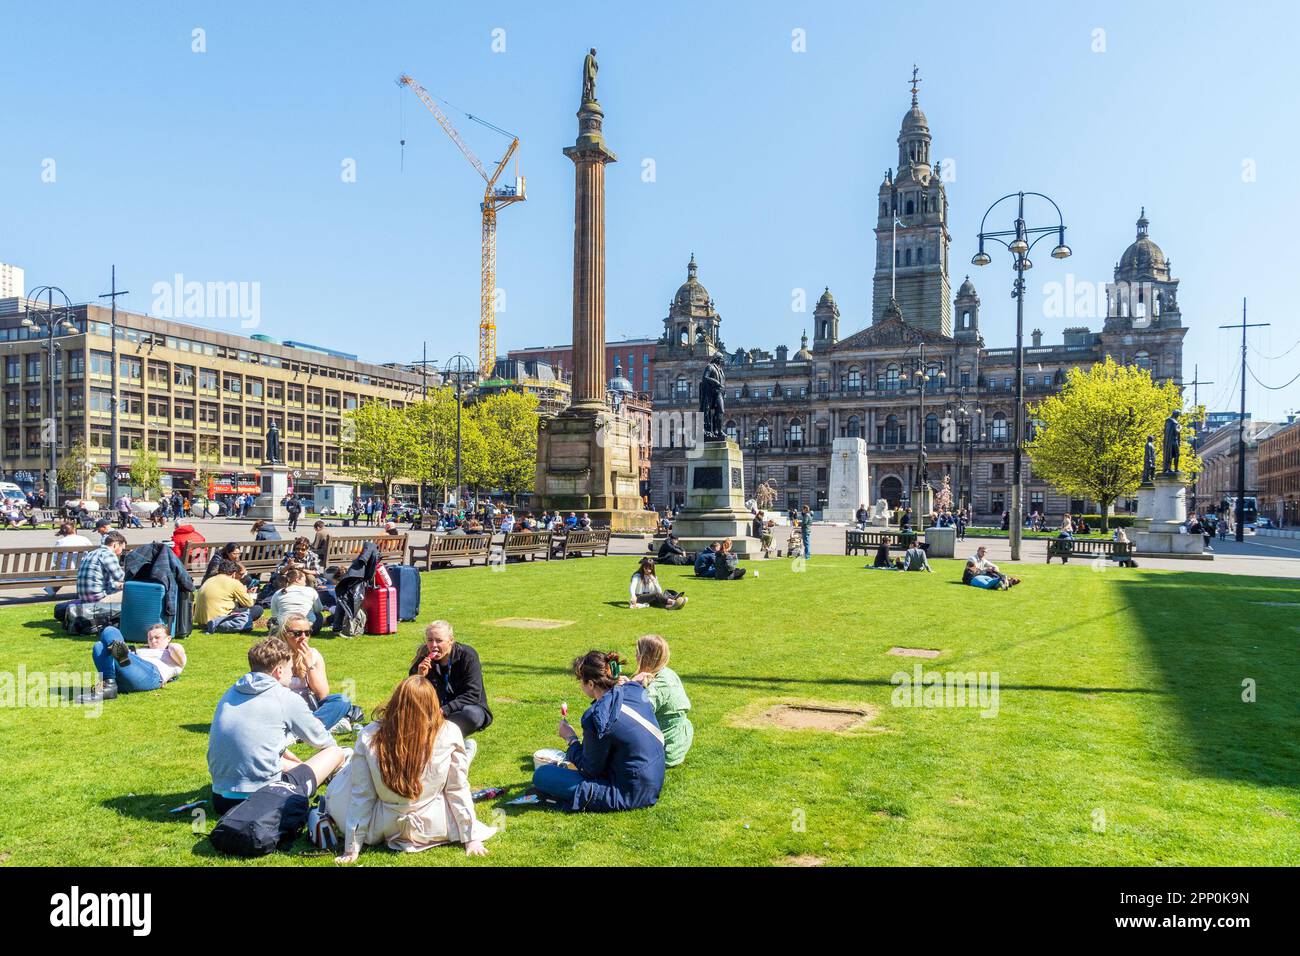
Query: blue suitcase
[[142, 603], [406, 579]]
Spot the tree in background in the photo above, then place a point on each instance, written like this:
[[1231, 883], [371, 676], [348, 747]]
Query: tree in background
[[76, 468], [1092, 433], [508, 424], [378, 444], [209, 467], [146, 474]]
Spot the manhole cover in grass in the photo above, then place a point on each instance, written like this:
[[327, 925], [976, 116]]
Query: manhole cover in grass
[[803, 859], [913, 652], [528, 623], [815, 717]]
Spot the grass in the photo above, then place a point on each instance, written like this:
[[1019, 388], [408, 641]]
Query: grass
[[1121, 737]]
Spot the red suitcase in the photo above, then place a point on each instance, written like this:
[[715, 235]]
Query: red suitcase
[[380, 605]]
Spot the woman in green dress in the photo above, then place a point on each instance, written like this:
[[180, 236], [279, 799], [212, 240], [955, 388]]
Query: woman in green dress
[[666, 695]]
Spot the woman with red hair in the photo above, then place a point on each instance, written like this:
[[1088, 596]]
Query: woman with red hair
[[408, 782]]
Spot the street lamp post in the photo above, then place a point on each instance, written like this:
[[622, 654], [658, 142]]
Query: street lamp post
[[1019, 245], [966, 446], [459, 365], [49, 323], [113, 436]]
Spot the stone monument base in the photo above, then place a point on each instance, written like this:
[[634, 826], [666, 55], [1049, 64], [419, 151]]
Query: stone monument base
[[275, 485], [715, 501], [589, 461], [848, 480], [1163, 535]]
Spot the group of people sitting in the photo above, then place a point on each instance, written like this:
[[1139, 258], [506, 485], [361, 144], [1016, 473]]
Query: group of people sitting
[[299, 585], [405, 783], [980, 572], [913, 559]]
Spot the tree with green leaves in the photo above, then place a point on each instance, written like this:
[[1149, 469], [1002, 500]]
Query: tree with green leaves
[[146, 473], [377, 444], [76, 468], [508, 423], [209, 468], [1092, 433]]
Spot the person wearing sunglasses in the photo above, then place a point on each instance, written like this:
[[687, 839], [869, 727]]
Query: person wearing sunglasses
[[307, 677]]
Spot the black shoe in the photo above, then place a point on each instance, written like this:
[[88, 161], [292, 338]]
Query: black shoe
[[121, 653]]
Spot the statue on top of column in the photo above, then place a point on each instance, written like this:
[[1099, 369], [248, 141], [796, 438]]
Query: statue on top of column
[[589, 68], [712, 406]]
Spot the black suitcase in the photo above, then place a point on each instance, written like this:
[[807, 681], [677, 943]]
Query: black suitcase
[[406, 579]]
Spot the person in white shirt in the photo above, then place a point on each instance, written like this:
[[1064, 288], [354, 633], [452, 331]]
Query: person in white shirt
[[67, 537], [296, 598], [123, 670], [508, 523], [644, 590]]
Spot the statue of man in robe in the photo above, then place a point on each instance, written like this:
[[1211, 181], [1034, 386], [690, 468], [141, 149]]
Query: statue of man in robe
[[1173, 443], [1149, 459], [589, 68]]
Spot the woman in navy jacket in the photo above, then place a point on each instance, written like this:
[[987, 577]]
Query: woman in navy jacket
[[620, 758]]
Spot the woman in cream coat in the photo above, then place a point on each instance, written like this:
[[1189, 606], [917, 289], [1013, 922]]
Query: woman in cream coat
[[408, 782]]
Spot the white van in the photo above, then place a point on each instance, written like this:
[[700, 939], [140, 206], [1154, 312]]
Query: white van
[[12, 494]]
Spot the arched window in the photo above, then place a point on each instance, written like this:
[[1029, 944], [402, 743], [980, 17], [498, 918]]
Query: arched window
[[998, 428], [932, 429], [898, 258], [852, 429], [794, 433], [731, 431], [891, 430], [762, 432], [920, 255], [1143, 360], [699, 335], [682, 387], [891, 377], [683, 337], [826, 329], [911, 207], [853, 380], [884, 210], [907, 255], [672, 433]]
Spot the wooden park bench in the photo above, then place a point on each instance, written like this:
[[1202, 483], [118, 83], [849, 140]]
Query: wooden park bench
[[41, 567], [257, 557], [527, 544], [343, 551], [593, 542], [865, 542], [442, 549], [1067, 548]]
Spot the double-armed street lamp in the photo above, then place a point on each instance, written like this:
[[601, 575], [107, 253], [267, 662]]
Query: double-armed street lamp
[[50, 320], [1019, 241]]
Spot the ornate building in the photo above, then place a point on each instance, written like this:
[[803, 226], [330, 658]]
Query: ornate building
[[784, 408]]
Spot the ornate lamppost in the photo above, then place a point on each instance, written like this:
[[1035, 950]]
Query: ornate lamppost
[[50, 321]]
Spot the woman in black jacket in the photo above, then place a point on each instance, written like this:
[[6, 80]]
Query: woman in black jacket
[[456, 674]]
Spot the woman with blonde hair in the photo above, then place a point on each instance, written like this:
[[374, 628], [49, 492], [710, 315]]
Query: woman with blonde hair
[[308, 678], [408, 782], [667, 696]]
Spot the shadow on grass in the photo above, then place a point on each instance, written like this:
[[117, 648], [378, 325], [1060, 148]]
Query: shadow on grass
[[1216, 647], [197, 728]]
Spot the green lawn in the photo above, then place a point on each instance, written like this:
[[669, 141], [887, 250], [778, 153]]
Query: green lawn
[[1121, 736]]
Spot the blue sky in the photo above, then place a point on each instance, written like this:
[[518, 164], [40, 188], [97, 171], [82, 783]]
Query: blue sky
[[226, 165]]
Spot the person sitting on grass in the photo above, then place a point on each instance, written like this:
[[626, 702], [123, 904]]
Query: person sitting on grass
[[126, 670], [253, 722], [231, 551], [301, 556], [706, 562], [671, 552], [666, 695], [407, 784], [223, 605], [296, 599], [619, 759], [727, 564], [646, 591], [454, 671], [882, 559], [915, 558], [983, 573], [308, 679]]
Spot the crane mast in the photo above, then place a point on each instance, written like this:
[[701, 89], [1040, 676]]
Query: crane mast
[[494, 198]]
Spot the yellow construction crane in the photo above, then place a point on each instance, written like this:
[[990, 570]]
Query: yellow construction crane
[[494, 197]]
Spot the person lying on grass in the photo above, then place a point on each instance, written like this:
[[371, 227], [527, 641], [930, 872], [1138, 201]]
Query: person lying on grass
[[620, 756], [456, 674], [407, 784], [126, 670], [646, 591], [308, 679], [980, 572], [296, 599], [666, 695], [254, 720]]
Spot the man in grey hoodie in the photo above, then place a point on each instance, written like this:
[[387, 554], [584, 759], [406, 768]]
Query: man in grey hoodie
[[253, 725]]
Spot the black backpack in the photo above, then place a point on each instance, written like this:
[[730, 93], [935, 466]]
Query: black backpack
[[269, 820]]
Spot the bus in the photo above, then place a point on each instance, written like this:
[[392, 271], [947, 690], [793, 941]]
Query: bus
[[245, 483], [1250, 509]]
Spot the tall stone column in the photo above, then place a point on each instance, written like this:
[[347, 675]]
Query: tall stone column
[[589, 155]]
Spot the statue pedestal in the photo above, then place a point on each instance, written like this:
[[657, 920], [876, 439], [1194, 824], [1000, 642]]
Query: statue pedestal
[[922, 504], [1164, 535], [590, 461], [848, 483], [879, 514], [1146, 506], [275, 485], [715, 500]]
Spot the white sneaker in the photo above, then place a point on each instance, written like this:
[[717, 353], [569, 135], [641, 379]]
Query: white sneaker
[[471, 746], [344, 726]]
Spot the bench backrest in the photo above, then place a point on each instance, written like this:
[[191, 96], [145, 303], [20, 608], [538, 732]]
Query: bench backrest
[[576, 539], [255, 556], [341, 550], [528, 541], [460, 543], [22, 563]]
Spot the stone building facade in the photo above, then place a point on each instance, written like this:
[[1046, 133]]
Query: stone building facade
[[864, 383]]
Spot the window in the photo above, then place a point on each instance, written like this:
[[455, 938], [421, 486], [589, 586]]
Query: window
[[183, 413], [160, 444], [101, 363], [997, 502], [233, 384], [208, 380], [253, 450], [101, 400], [232, 416], [232, 448], [1008, 383], [295, 424], [313, 456], [129, 368], [253, 418], [13, 368], [295, 394], [208, 415], [998, 471], [792, 474], [854, 428], [1029, 381], [101, 439], [932, 429], [160, 408], [131, 404], [794, 433], [681, 388], [821, 476], [313, 427], [853, 380], [183, 446], [731, 431], [275, 391], [314, 397], [332, 401], [158, 375], [892, 431], [998, 430], [183, 376], [891, 377], [255, 388], [762, 432], [1036, 502], [349, 402], [1143, 360]]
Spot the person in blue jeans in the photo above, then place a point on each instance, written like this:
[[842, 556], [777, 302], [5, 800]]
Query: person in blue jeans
[[308, 679], [805, 531], [618, 763], [148, 668]]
